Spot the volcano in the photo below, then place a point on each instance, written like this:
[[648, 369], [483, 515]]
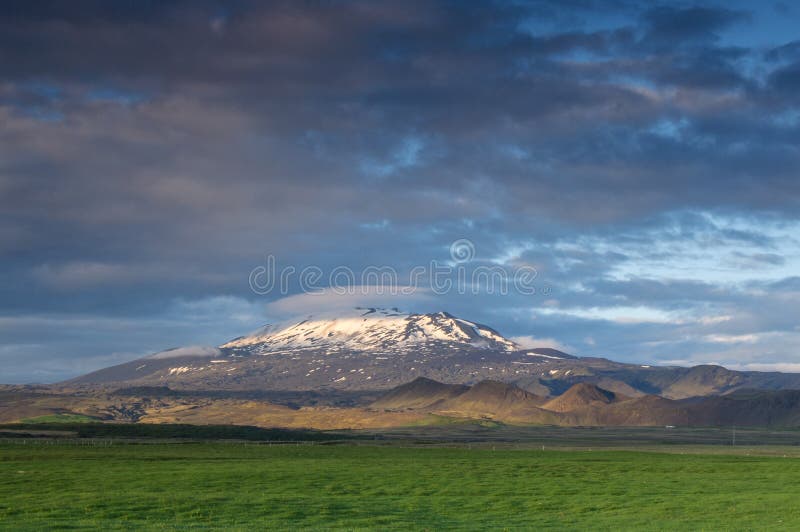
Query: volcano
[[373, 349]]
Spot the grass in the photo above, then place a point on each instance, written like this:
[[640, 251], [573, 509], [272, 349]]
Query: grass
[[47, 485], [434, 420], [61, 418]]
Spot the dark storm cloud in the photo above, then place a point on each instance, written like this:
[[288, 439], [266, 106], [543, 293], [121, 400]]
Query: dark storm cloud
[[670, 26], [152, 152]]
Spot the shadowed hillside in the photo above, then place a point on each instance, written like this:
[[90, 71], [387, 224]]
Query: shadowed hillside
[[581, 395], [590, 405], [420, 393]]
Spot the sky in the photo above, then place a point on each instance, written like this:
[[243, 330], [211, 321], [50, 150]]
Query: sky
[[640, 158]]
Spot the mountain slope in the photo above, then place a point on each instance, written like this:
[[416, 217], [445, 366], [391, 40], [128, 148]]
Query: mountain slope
[[497, 400], [581, 395], [582, 404], [421, 393], [491, 399], [747, 408]]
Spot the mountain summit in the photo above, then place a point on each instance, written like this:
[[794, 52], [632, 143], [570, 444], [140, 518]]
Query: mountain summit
[[372, 329]]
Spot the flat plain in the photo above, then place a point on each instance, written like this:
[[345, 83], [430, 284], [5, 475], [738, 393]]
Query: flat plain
[[114, 484]]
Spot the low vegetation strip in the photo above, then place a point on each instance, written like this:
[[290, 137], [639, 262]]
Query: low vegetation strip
[[61, 418], [225, 486], [167, 431]]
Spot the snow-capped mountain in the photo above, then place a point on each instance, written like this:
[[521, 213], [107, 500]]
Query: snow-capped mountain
[[364, 349], [368, 350], [372, 329]]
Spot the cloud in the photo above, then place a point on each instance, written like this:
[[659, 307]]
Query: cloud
[[55, 347], [81, 274], [680, 24], [529, 342], [617, 314], [642, 158], [417, 299], [731, 338], [786, 367], [189, 351]]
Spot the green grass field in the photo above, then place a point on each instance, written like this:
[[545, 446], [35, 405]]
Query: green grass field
[[61, 418], [256, 486]]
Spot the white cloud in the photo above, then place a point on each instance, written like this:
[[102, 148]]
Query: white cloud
[[55, 347], [215, 308], [619, 314], [365, 296], [82, 274], [714, 320], [531, 342], [731, 338], [189, 351], [707, 254], [786, 367], [77, 275]]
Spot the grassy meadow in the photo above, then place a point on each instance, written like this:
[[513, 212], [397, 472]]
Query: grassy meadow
[[63, 485]]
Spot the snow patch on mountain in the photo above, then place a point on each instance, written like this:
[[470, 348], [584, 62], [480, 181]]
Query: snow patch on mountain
[[372, 329], [543, 356]]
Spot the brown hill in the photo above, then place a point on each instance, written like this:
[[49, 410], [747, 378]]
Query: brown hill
[[486, 399], [421, 393], [747, 408], [704, 380], [581, 395], [501, 401], [582, 404], [496, 395], [587, 404], [649, 410]]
